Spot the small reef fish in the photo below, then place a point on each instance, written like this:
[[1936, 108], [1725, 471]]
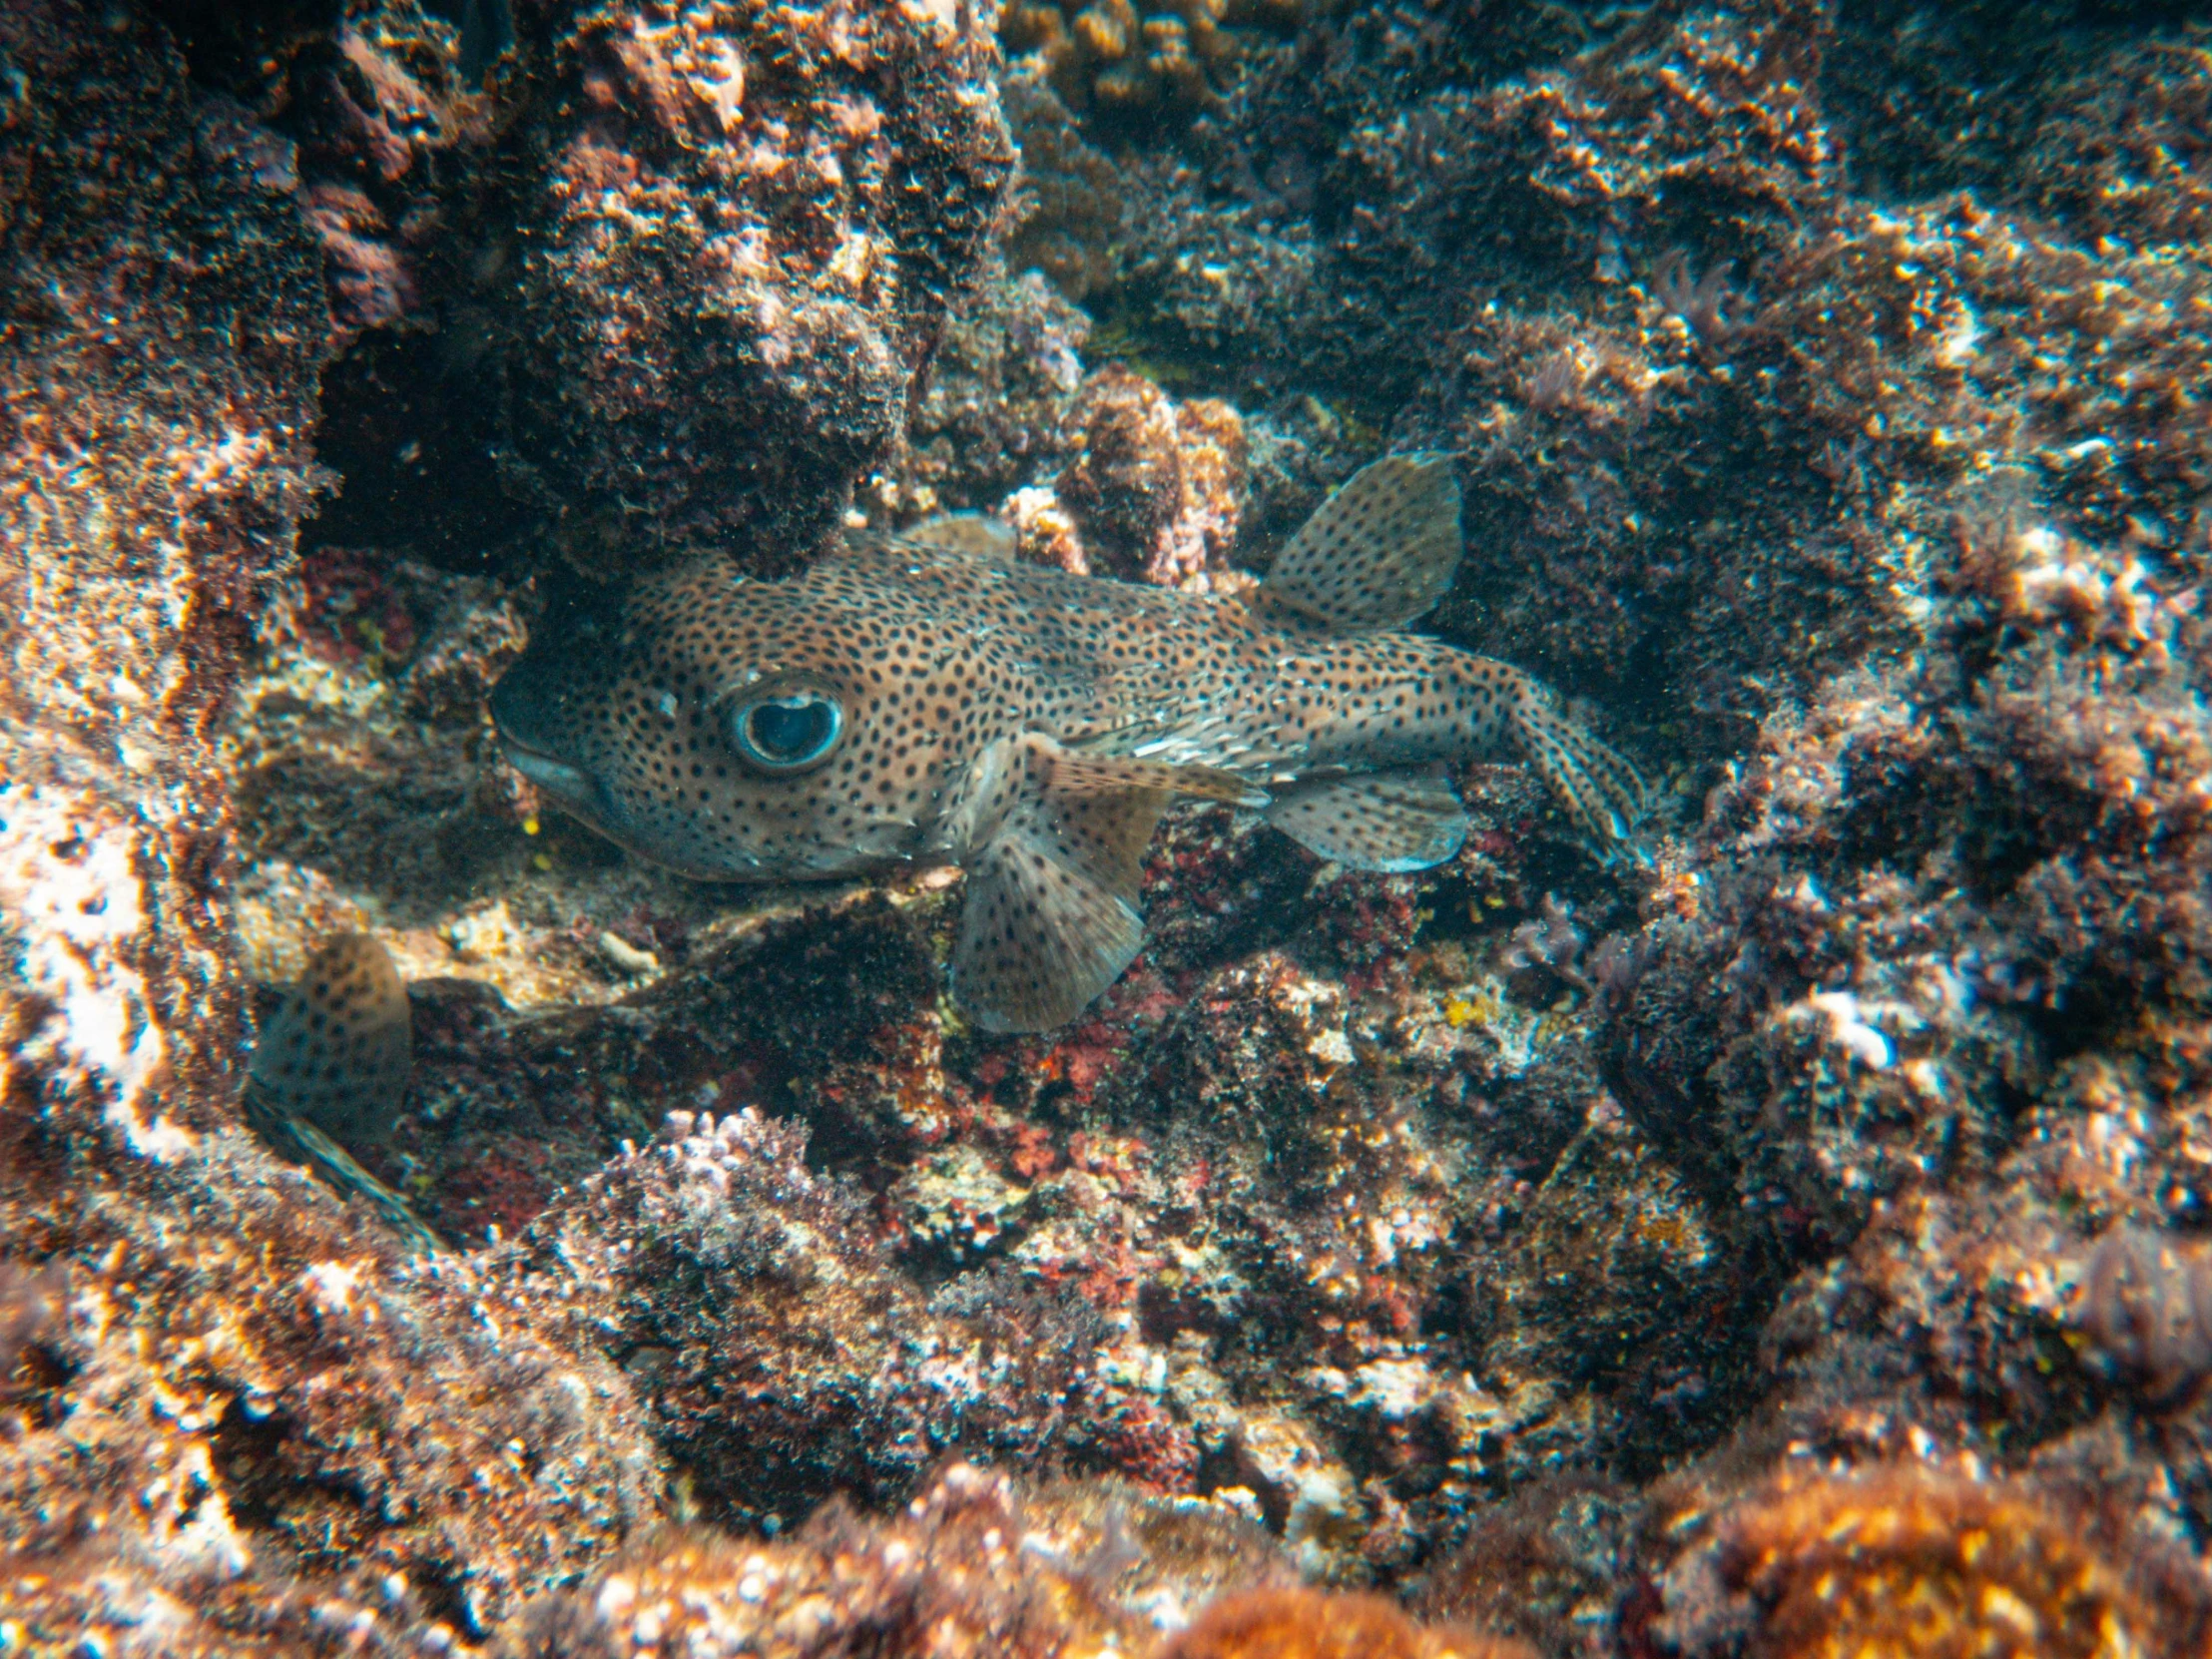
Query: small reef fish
[[926, 700], [333, 1065]]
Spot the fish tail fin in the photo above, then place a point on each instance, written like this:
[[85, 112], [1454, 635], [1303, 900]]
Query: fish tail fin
[[299, 1141], [1604, 795]]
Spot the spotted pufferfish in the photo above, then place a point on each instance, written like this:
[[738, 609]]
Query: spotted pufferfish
[[926, 698]]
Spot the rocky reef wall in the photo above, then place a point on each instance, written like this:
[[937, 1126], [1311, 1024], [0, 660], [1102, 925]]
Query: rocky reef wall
[[1789, 1240]]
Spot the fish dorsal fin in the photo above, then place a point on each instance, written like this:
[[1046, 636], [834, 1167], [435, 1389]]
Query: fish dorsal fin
[[1381, 821], [1054, 845], [1378, 553], [338, 1050], [977, 535]]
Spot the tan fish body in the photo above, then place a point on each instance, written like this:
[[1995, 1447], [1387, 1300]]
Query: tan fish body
[[910, 702], [332, 1070]]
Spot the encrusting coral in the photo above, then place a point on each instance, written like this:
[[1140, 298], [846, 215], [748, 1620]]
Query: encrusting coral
[[1909, 1561]]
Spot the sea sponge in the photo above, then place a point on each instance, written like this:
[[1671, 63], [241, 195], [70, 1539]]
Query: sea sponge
[[1907, 1560], [1308, 1624]]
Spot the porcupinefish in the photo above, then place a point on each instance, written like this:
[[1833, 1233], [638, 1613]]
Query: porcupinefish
[[921, 700], [333, 1066]]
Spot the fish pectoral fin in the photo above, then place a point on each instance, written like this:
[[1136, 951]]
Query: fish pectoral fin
[[1034, 767], [1392, 822], [1051, 918], [1378, 553], [1068, 773], [1597, 787]]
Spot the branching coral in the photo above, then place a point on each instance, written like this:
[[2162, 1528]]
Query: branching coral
[[1173, 57]]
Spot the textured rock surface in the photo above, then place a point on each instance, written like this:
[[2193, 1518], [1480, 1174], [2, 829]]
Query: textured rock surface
[[735, 259], [248, 1423], [1787, 1241]]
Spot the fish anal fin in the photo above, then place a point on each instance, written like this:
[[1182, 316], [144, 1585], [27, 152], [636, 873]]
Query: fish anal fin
[[1394, 821], [1378, 553]]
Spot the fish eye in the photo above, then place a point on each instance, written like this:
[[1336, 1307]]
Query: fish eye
[[786, 733]]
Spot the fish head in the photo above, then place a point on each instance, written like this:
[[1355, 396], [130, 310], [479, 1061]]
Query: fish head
[[731, 729]]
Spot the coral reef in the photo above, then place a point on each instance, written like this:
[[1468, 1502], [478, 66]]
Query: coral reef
[[1909, 1561], [1069, 194], [2150, 1310], [30, 1302], [738, 254], [973, 1565], [780, 1355], [1300, 1624], [1169, 60], [664, 281], [1155, 491], [995, 415], [1787, 1238]]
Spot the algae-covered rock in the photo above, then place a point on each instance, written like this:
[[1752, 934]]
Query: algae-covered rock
[[1788, 1235]]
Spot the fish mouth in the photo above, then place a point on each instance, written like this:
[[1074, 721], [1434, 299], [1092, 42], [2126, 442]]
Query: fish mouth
[[570, 784]]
